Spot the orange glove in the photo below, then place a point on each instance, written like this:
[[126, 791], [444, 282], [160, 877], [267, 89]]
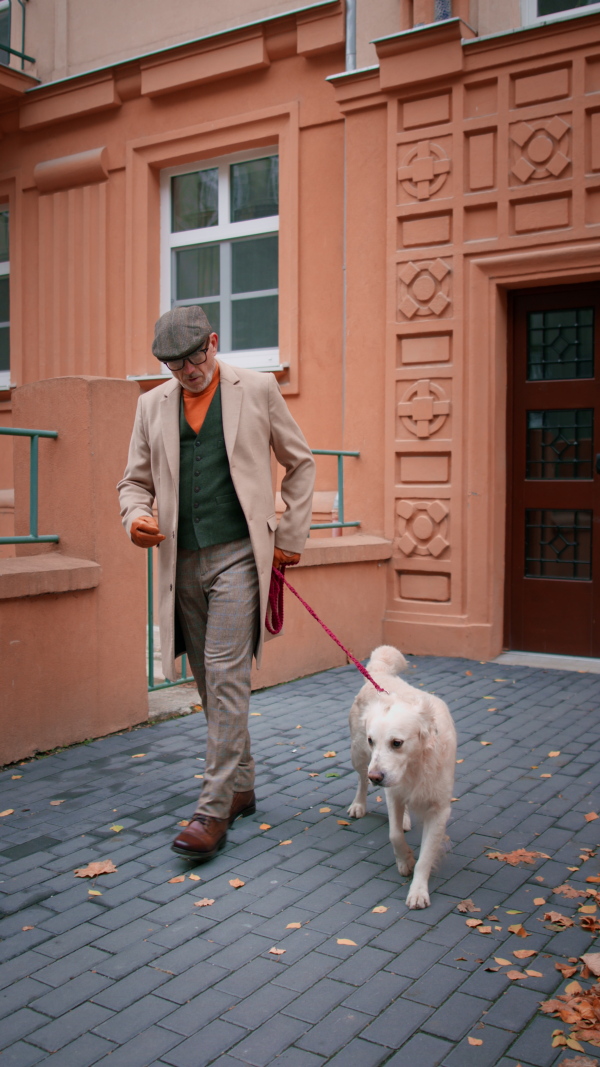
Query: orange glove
[[145, 533], [289, 558]]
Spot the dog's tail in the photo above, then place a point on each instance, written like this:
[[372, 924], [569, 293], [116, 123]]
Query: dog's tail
[[386, 660]]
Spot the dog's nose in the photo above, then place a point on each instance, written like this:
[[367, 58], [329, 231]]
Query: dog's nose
[[376, 777]]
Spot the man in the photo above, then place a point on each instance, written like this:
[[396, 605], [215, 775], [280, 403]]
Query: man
[[201, 446]]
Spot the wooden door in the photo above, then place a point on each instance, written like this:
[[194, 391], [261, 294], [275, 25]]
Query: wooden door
[[553, 534]]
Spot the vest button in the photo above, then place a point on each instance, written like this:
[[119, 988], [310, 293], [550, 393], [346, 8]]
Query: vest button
[[196, 518], [197, 505], [196, 488], [196, 474]]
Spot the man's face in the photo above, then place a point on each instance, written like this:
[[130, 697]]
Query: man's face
[[197, 379]]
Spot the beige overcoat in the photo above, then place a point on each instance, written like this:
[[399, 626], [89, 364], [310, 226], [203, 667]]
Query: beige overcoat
[[255, 420]]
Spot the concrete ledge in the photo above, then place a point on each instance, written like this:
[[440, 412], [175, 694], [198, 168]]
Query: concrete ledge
[[47, 573], [356, 548]]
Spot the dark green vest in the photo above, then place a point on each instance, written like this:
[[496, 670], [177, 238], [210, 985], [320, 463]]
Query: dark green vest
[[209, 510]]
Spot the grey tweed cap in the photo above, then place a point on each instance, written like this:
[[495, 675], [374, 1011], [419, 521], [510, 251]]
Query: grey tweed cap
[[179, 332]]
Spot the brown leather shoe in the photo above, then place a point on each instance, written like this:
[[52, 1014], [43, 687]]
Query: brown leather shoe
[[202, 839], [243, 804]]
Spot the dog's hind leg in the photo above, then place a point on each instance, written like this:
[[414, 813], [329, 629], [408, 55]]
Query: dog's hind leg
[[360, 762], [434, 829], [405, 860]]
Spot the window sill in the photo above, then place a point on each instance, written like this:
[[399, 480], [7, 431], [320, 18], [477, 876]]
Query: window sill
[[355, 548], [48, 573]]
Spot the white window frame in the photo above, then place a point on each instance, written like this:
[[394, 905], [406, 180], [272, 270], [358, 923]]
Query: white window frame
[[266, 359], [5, 273], [529, 16]]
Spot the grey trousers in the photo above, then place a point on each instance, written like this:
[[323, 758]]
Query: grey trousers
[[217, 603]]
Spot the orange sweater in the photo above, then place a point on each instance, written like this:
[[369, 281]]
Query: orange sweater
[[196, 405]]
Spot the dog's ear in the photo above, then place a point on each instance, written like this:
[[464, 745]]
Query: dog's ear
[[427, 727]]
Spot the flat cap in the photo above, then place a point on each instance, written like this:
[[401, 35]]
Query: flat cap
[[179, 332]]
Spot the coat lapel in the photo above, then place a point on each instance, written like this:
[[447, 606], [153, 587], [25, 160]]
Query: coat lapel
[[231, 403], [169, 419]]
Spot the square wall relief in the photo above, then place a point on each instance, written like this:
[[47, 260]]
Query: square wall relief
[[425, 289], [540, 150], [423, 409], [413, 585], [422, 528], [424, 170]]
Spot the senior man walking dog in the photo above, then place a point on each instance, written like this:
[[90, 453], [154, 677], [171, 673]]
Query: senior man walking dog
[[201, 446]]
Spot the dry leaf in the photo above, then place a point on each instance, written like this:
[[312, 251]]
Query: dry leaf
[[592, 960], [591, 815], [265, 826], [259, 713], [587, 909], [198, 776], [519, 855], [502, 961], [460, 761], [539, 877], [204, 903], [492, 709], [138, 755], [572, 988], [565, 970], [313, 774], [557, 918], [513, 911], [293, 926], [343, 822], [579, 1061], [492, 968], [534, 974], [345, 941], [475, 1041], [379, 910], [484, 929], [514, 975], [519, 930], [524, 953], [469, 672], [539, 901], [55, 803], [288, 842], [93, 869], [236, 883], [466, 906], [545, 775], [453, 800], [195, 877], [184, 822], [553, 754], [27, 928], [15, 776], [323, 810], [9, 811], [179, 878], [569, 891], [117, 829], [277, 951], [379, 800], [328, 755], [593, 878], [94, 893], [485, 742], [473, 922]]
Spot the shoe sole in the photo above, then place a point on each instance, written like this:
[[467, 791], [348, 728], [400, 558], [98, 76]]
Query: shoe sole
[[200, 857], [243, 814]]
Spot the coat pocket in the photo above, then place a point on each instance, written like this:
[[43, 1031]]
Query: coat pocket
[[272, 522]]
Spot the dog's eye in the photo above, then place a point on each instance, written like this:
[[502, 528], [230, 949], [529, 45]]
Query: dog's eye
[[370, 740], [397, 744]]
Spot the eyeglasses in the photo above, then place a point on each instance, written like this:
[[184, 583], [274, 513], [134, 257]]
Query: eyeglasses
[[195, 358]]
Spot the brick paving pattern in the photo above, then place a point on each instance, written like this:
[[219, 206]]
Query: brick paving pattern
[[138, 976]]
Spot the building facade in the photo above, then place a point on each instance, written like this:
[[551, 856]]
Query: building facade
[[403, 225]]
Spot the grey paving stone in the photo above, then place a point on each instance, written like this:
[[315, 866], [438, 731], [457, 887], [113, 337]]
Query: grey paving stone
[[22, 1055], [22, 1023], [458, 1014], [69, 1026], [191, 1017], [121, 994], [19, 995], [333, 1032], [217, 1037], [142, 1049], [124, 1025], [70, 994], [129, 960], [305, 972], [495, 1042], [269, 1041], [75, 963], [397, 1023], [317, 1001], [84, 1051], [422, 1050]]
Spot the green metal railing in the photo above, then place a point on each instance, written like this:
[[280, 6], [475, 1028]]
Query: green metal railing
[[338, 524], [33, 537]]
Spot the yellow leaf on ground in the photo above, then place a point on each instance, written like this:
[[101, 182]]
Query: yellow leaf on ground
[[259, 713], [593, 878], [324, 809], [277, 951], [55, 803], [117, 829], [485, 742], [345, 941], [195, 878], [9, 811], [204, 903], [475, 1041], [572, 1043], [552, 754], [545, 775], [539, 901], [265, 826], [184, 822], [198, 776], [94, 869], [288, 842], [513, 911], [379, 800], [94, 893], [473, 922], [460, 761], [138, 755], [572, 988], [534, 974], [23, 928], [293, 926], [588, 909], [313, 774], [524, 953], [379, 910], [484, 929], [14, 776], [343, 822], [591, 815], [179, 878], [514, 975], [236, 883], [519, 930], [298, 727], [502, 961], [328, 755]]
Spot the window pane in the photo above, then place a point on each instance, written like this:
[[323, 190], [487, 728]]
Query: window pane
[[197, 272], [212, 310], [560, 344], [3, 236], [255, 323], [254, 189], [5, 33], [558, 544], [4, 301], [559, 443], [254, 264], [4, 348], [195, 200], [553, 7]]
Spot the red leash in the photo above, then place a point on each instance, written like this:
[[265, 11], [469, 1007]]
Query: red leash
[[275, 623]]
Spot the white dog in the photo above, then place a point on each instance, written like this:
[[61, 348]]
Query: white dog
[[405, 741]]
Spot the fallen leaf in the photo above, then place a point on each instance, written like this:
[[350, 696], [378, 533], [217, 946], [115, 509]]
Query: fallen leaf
[[379, 910], [55, 803], [573, 988], [519, 855], [475, 1041], [313, 774], [322, 810], [117, 829], [332, 774], [195, 878], [545, 775], [179, 878], [488, 698], [9, 811], [534, 974], [579, 1061], [591, 815], [473, 922], [236, 883], [94, 869], [198, 776], [553, 754], [15, 776], [484, 929], [328, 755], [569, 891], [566, 970], [572, 868], [453, 800], [460, 761], [519, 930], [524, 953], [539, 877], [343, 822], [293, 926], [265, 826], [469, 673], [204, 903], [485, 742], [593, 878], [492, 968], [513, 911], [492, 709], [592, 960], [277, 951], [345, 941], [467, 906], [514, 975], [27, 928], [539, 901], [502, 961], [298, 727], [184, 822], [379, 800], [288, 842], [587, 909], [138, 755], [94, 893], [557, 918]]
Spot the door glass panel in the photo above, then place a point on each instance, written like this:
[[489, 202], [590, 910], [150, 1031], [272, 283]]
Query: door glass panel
[[560, 344], [553, 7], [3, 236], [197, 272], [559, 443], [558, 544], [4, 325], [255, 189], [194, 200]]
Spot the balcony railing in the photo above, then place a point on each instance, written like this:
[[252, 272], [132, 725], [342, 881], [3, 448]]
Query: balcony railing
[[5, 37], [33, 537]]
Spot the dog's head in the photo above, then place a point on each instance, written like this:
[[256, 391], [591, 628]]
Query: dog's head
[[399, 734]]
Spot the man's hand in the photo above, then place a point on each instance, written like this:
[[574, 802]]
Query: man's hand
[[145, 533], [288, 558]]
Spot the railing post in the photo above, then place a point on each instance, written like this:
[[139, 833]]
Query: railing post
[[33, 485], [150, 621], [340, 487]]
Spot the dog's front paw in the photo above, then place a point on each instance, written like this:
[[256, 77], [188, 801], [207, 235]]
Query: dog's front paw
[[356, 810], [418, 897], [406, 864]]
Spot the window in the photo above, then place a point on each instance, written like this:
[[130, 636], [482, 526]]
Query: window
[[4, 302], [539, 10], [220, 229], [4, 31]]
